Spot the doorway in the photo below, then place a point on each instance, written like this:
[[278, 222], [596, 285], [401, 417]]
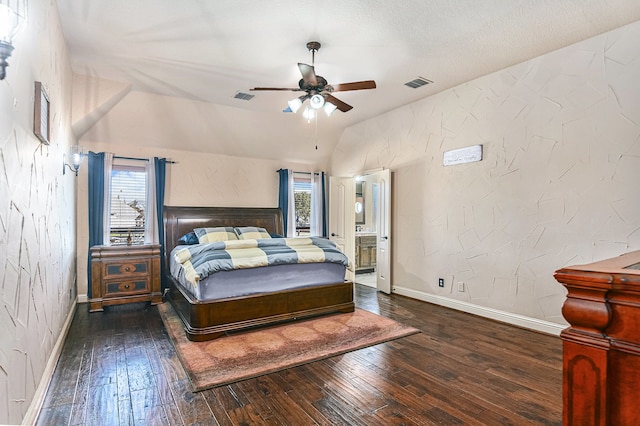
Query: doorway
[[366, 235], [372, 230]]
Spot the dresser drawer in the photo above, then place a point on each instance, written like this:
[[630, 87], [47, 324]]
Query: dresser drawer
[[126, 268], [125, 287]]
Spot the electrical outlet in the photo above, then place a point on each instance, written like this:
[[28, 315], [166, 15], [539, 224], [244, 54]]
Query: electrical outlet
[[440, 282], [460, 286]]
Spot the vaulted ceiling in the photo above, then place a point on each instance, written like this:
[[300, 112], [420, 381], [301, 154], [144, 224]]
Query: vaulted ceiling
[[176, 66]]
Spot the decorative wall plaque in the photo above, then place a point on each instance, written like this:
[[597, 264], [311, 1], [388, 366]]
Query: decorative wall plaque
[[463, 155]]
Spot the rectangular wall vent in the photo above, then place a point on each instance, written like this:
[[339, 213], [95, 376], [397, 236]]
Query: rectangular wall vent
[[418, 82], [243, 96]]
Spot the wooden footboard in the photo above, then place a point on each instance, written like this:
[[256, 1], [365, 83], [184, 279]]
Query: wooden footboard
[[206, 320]]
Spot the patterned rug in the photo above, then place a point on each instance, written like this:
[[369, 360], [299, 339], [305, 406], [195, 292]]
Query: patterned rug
[[253, 353]]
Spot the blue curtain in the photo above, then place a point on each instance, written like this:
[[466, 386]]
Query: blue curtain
[[160, 165], [96, 206], [324, 205], [283, 197]]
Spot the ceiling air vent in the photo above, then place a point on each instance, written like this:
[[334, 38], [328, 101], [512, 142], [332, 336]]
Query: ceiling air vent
[[418, 82], [243, 96]]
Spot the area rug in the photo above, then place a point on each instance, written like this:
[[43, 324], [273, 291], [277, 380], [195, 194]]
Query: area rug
[[253, 353]]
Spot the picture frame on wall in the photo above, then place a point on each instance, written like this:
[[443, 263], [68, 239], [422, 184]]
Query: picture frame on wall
[[41, 114]]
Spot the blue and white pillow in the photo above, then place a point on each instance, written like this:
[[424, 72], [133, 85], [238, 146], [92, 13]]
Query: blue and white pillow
[[214, 235], [251, 233]]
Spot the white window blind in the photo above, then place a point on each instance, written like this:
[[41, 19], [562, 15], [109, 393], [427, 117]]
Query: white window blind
[[302, 195], [128, 204]]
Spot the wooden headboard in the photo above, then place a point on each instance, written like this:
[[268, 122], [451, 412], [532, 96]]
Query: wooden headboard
[[181, 220]]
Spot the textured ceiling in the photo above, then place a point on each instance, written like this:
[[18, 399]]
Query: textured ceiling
[[209, 50]]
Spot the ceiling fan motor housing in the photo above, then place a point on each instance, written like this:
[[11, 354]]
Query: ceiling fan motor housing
[[306, 86]]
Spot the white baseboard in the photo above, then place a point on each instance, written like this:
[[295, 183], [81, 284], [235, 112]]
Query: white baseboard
[[82, 298], [494, 314], [38, 398]]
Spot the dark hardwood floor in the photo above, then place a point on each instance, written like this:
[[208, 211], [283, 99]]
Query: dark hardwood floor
[[120, 368]]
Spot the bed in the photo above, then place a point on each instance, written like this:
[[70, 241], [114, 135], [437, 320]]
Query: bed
[[299, 293]]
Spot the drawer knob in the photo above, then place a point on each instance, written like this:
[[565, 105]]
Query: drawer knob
[[128, 268]]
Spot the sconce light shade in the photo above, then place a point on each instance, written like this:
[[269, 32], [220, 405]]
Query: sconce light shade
[[13, 15], [77, 155]]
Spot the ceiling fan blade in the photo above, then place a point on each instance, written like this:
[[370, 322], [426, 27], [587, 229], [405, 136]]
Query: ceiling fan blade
[[308, 74], [356, 85], [344, 107], [289, 89]]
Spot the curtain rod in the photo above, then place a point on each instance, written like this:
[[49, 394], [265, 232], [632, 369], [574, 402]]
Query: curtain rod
[[302, 173], [139, 159]]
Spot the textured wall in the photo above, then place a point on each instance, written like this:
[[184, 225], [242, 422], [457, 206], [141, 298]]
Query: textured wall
[[197, 179], [37, 212], [557, 185]]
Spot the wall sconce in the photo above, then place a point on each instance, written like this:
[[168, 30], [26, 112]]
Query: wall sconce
[[13, 15], [77, 155]]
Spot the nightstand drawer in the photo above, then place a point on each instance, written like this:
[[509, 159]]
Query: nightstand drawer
[[125, 287], [120, 269]]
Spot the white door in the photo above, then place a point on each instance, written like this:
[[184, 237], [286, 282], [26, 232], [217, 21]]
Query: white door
[[342, 193], [383, 227]]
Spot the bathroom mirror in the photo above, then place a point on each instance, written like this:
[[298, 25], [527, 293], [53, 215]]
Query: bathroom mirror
[[359, 207]]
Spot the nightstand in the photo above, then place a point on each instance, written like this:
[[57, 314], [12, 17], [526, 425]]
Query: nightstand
[[124, 274]]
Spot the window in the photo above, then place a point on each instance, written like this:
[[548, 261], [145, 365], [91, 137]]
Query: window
[[302, 197], [128, 204]]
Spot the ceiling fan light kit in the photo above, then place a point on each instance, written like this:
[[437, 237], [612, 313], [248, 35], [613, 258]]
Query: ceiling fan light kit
[[318, 91]]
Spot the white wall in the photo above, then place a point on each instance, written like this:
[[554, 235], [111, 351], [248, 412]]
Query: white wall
[[557, 185], [37, 213], [112, 112], [196, 179]]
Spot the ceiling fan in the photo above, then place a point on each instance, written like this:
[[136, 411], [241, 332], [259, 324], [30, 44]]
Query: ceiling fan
[[318, 91]]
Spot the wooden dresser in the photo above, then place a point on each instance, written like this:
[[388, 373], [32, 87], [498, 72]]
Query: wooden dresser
[[601, 349], [124, 274]]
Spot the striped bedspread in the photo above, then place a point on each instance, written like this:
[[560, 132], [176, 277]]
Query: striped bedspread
[[201, 260]]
